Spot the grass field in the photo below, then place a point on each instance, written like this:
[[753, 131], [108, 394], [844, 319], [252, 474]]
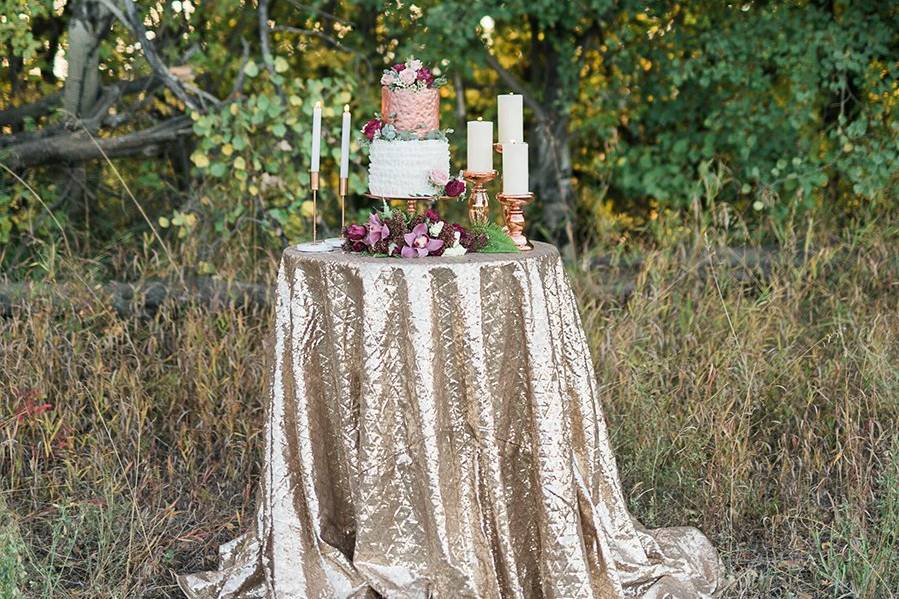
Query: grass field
[[758, 403]]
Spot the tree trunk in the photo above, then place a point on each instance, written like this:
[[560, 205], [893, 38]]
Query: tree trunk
[[552, 153], [552, 183], [88, 25]]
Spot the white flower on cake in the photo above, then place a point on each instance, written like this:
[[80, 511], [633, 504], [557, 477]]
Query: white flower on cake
[[414, 64], [435, 229], [456, 249]]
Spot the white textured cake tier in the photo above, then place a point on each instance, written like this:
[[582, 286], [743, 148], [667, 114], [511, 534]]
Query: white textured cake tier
[[400, 168]]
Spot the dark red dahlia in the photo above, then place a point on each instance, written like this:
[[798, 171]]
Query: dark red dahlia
[[425, 76], [372, 127], [454, 188]]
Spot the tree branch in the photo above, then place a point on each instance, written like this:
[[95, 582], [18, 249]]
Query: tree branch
[[131, 20], [78, 146], [17, 114]]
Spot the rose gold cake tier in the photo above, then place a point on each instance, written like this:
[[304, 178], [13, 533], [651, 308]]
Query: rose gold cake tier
[[411, 110]]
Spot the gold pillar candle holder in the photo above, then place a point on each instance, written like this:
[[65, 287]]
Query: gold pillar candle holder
[[478, 198], [342, 193], [313, 183], [513, 215], [498, 147]]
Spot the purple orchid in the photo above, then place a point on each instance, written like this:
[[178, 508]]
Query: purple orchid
[[418, 244], [377, 230]]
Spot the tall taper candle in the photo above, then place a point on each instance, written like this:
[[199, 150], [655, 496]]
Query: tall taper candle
[[316, 136], [515, 168], [345, 144], [480, 146], [511, 119]]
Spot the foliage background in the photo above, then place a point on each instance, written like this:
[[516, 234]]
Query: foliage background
[[721, 178]]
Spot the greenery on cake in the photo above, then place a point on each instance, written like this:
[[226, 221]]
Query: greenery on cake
[[379, 128]]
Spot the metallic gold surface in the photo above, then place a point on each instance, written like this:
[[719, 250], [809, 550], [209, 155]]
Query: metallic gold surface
[[478, 198], [513, 216], [342, 193], [433, 431]]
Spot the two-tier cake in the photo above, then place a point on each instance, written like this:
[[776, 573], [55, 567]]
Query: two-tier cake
[[408, 152]]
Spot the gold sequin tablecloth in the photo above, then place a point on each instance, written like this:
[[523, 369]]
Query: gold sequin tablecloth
[[433, 430]]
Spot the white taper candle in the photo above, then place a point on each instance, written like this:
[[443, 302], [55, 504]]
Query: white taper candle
[[345, 144], [511, 119], [480, 146], [515, 168], [316, 136]]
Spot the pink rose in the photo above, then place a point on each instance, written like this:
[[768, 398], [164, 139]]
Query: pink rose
[[388, 78], [372, 127], [454, 188], [438, 177], [407, 77], [415, 64]]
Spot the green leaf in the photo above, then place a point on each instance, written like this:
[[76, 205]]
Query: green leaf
[[251, 69], [281, 64]]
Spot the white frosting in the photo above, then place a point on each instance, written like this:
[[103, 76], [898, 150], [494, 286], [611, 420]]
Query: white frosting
[[400, 168]]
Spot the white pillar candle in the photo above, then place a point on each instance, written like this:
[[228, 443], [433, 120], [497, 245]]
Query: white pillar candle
[[511, 119], [316, 136], [345, 144], [480, 146], [515, 168]]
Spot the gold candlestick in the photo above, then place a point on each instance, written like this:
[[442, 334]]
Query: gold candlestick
[[314, 184], [498, 147], [342, 193], [479, 199], [513, 215]]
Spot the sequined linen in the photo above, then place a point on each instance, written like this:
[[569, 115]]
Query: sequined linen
[[434, 431]]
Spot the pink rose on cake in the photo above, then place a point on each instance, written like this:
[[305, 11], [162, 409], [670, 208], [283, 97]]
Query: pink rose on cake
[[407, 77], [414, 64], [388, 78], [438, 177]]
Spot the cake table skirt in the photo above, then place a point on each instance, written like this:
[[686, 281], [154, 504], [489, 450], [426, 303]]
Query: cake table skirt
[[433, 430]]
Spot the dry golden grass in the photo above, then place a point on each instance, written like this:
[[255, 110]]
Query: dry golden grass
[[761, 408]]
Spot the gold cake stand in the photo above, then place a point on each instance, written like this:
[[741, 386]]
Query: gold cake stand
[[411, 201]]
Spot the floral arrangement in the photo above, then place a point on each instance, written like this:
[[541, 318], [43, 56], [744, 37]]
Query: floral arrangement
[[378, 128], [391, 232], [412, 74]]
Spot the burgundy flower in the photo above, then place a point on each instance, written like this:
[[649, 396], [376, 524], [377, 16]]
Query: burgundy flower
[[426, 76], [372, 127], [418, 244], [356, 232], [358, 246], [454, 188], [399, 66], [432, 215]]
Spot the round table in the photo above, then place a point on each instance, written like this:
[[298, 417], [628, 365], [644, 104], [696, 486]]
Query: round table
[[433, 430]]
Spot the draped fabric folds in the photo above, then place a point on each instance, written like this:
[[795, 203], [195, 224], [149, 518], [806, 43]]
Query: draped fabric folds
[[434, 431]]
